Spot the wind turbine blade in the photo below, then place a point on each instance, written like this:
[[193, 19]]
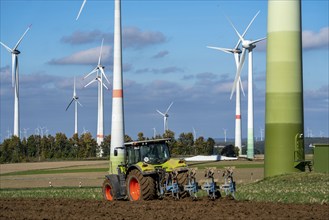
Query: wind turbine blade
[[169, 107], [105, 86], [161, 113], [237, 45], [102, 70], [78, 102], [19, 41], [226, 50], [100, 53], [83, 4], [94, 70], [238, 72], [250, 24], [256, 41], [7, 48], [69, 105], [240, 37], [16, 76], [94, 80], [240, 82], [13, 68], [74, 92]]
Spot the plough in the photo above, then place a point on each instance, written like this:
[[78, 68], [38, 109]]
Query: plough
[[210, 185]]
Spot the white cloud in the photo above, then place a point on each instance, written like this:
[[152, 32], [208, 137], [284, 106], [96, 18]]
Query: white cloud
[[316, 40], [87, 57]]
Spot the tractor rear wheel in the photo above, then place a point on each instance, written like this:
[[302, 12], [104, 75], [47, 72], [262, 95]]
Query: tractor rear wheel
[[108, 190], [140, 187]]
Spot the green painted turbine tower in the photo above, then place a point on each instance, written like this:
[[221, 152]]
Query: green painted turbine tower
[[284, 117]]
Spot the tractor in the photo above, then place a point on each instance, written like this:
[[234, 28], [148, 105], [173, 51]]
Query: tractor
[[148, 173]]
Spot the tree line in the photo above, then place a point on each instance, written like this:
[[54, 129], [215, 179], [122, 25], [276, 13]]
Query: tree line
[[60, 147]]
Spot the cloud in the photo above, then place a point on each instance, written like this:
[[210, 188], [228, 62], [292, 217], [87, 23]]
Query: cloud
[[84, 37], [166, 70], [160, 54], [317, 99], [85, 57], [310, 40], [132, 37], [316, 40]]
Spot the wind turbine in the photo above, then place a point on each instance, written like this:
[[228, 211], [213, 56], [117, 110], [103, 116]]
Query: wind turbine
[[83, 4], [165, 117], [99, 70], [15, 79], [76, 102], [236, 51], [247, 45]]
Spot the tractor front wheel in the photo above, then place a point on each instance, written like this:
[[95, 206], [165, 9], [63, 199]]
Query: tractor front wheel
[[140, 187], [108, 190]]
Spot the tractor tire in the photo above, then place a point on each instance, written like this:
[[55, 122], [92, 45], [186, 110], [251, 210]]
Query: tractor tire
[[108, 190], [182, 180], [140, 187]]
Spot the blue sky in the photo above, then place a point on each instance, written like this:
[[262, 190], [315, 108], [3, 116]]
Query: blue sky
[[165, 59]]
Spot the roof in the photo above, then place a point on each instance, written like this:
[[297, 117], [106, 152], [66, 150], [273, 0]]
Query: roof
[[145, 142]]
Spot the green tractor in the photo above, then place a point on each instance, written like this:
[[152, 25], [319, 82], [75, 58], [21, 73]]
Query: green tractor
[[148, 173]]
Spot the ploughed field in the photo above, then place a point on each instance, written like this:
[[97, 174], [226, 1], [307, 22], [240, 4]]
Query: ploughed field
[[158, 209], [66, 176]]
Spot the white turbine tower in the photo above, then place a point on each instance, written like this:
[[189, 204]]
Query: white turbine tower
[[15, 80], [117, 153], [165, 118], [247, 45], [236, 51], [99, 70], [76, 102]]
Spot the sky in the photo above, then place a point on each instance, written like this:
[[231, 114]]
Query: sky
[[165, 59]]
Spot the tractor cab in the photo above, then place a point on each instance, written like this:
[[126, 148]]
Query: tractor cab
[[148, 151]]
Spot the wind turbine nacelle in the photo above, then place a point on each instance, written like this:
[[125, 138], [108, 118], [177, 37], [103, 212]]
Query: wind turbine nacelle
[[248, 44], [16, 52], [237, 50]]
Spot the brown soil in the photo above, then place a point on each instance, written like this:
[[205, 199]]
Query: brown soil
[[158, 209]]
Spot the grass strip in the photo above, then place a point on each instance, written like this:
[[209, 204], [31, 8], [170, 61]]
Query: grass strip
[[54, 192], [290, 188], [92, 170], [55, 171]]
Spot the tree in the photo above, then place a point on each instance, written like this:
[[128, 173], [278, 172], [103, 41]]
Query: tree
[[106, 146], [61, 148], [88, 145], [128, 138], [140, 136]]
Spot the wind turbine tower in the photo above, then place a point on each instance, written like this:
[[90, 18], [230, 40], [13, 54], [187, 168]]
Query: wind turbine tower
[[76, 102], [284, 114], [15, 80], [165, 118], [99, 70], [117, 127]]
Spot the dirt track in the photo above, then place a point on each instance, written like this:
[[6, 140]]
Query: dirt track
[[165, 209]]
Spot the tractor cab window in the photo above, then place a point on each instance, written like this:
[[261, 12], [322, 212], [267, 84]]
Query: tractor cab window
[[133, 155], [155, 153]]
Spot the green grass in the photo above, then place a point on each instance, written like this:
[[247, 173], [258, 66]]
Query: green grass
[[293, 188], [91, 170], [55, 171], [61, 192]]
